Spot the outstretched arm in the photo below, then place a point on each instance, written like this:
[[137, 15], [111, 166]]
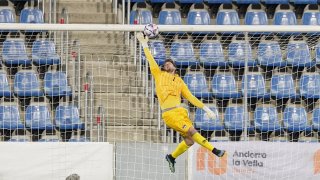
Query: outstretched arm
[[196, 102], [154, 67]]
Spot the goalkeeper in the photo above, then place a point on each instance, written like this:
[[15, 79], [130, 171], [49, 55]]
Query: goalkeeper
[[169, 88]]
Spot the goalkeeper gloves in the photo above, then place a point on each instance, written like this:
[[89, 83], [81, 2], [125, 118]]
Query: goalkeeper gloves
[[143, 40], [210, 113]]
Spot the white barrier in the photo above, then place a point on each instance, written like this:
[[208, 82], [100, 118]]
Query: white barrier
[[32, 161], [256, 160]]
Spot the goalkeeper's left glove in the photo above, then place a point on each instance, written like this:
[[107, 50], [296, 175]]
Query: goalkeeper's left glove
[[143, 40], [210, 113]]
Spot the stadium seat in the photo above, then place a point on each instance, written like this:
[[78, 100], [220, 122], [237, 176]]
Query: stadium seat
[[197, 84], [10, 116], [255, 86], [276, 1], [198, 15], [298, 54], [55, 84], [32, 15], [190, 1], [26, 84], [234, 118], [227, 15], [141, 16], [248, 1], [44, 52], [161, 1], [311, 15], [269, 54], [219, 1], [295, 119], [255, 15], [284, 16], [211, 54], [49, 139], [19, 139], [7, 16], [282, 86], [5, 90], [309, 85], [224, 86], [67, 117], [157, 50], [203, 122], [38, 117], [182, 53], [14, 52], [266, 119], [238, 52], [316, 119], [305, 1], [81, 139], [169, 15]]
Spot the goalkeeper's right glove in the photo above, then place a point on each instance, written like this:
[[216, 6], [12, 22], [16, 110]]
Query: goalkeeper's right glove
[[143, 40], [210, 113]]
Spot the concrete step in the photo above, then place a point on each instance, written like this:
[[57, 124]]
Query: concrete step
[[117, 121], [98, 37], [90, 18], [133, 134], [116, 49], [85, 6]]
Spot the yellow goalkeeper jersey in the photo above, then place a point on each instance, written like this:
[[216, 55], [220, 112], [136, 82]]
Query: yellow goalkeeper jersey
[[169, 87]]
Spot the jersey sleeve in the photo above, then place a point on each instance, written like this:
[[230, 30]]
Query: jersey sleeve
[[154, 67], [188, 95]]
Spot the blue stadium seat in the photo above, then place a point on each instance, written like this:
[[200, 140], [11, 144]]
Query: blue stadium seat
[[182, 53], [67, 117], [227, 16], [234, 118], [26, 83], [38, 116], [169, 17], [305, 1], [276, 1], [161, 1], [219, 1], [7, 16], [282, 86], [316, 119], [311, 15], [190, 1], [255, 86], [197, 84], [248, 1], [256, 16], [198, 17], [157, 50], [269, 54], [224, 86], [298, 54], [317, 53], [141, 16], [203, 122], [32, 15], [49, 139], [5, 89], [44, 52], [266, 119], [19, 139], [309, 85], [295, 119], [238, 52], [81, 139], [284, 16], [211, 54], [10, 116], [55, 84], [14, 52]]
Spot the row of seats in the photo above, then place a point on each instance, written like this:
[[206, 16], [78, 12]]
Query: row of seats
[[43, 52], [223, 85], [28, 15], [26, 84], [266, 119], [227, 15], [24, 138], [38, 117], [236, 1], [212, 53]]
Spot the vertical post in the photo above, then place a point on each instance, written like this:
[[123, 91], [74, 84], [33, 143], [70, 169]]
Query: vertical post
[[135, 48], [115, 8], [91, 106], [245, 103], [128, 21], [86, 89], [100, 123], [123, 10], [50, 11]]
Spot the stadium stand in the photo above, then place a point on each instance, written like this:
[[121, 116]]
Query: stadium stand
[[44, 53], [14, 52], [182, 53], [55, 84], [140, 14], [197, 84], [169, 15], [211, 54], [224, 85], [26, 84]]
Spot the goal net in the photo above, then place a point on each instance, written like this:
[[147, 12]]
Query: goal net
[[262, 83]]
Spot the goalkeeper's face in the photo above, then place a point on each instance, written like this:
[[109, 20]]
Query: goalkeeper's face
[[169, 67]]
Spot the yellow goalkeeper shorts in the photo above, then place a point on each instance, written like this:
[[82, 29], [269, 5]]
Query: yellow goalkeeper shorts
[[178, 120]]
